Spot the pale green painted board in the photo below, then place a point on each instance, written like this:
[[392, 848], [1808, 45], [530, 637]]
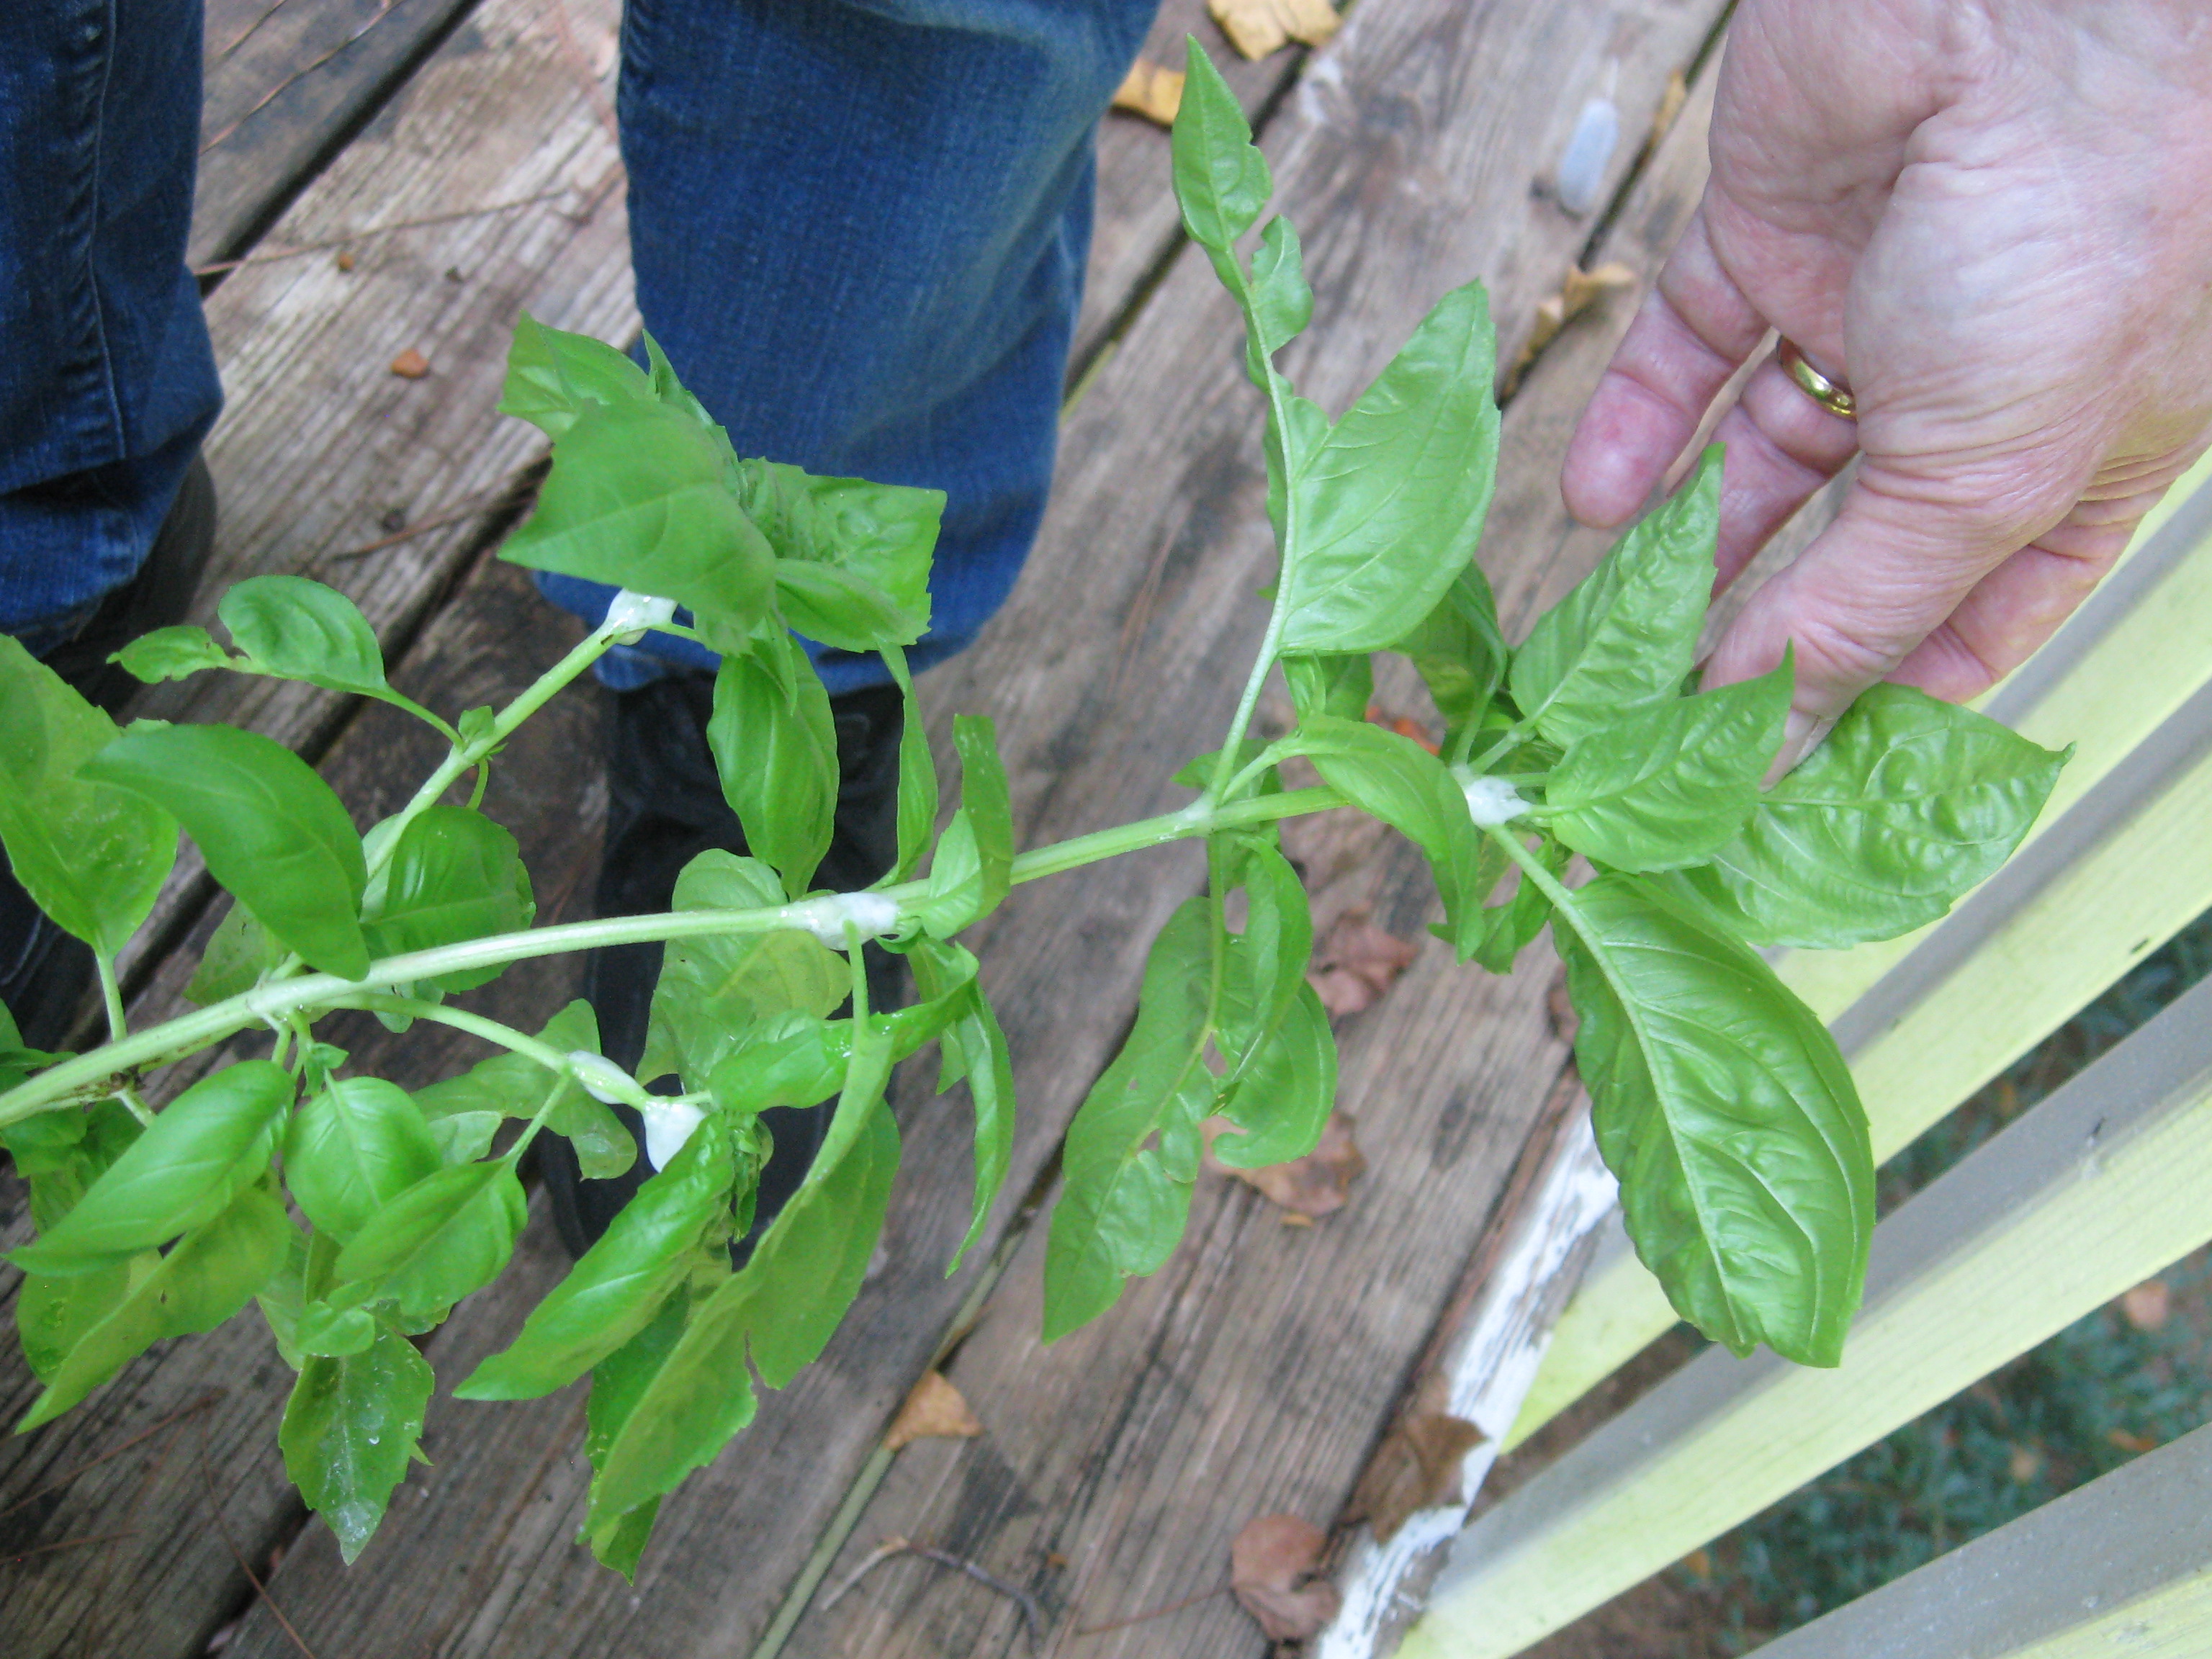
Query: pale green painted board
[[2022, 958], [2122, 1566], [2092, 1191], [2146, 658]]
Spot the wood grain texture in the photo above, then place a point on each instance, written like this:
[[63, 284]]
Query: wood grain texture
[[321, 449], [284, 79], [1255, 1372], [1108, 667]]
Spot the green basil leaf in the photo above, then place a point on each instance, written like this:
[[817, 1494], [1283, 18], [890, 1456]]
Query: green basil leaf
[[874, 541], [285, 1294], [1279, 304], [973, 1050], [637, 498], [777, 756], [619, 1539], [1133, 1151], [973, 870], [1390, 506], [62, 1152], [1509, 927], [1397, 780], [1221, 181], [338, 1328], [782, 1308], [173, 653], [92, 858], [298, 629], [1670, 784], [1909, 804], [789, 1059], [454, 876], [1340, 684], [349, 1430], [240, 952], [1459, 650], [1266, 965], [447, 1234], [272, 832], [464, 1111], [1722, 1104], [619, 1284], [53, 1313], [352, 1149], [182, 1171], [1284, 1091], [211, 1275], [712, 988], [1625, 635], [917, 781], [552, 376]]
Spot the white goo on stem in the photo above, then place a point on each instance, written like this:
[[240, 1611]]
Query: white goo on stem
[[871, 914], [631, 613], [667, 1128], [1492, 801]]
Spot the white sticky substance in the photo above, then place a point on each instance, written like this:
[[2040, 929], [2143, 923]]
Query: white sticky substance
[[871, 914], [633, 613], [1492, 801], [1589, 152], [600, 1077], [667, 1128]]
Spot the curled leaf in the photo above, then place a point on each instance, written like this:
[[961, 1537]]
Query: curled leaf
[[1273, 1568]]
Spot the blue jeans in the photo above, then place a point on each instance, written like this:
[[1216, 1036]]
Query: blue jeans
[[858, 228]]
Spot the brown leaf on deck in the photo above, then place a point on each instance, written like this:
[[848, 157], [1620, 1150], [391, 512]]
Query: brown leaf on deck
[[1416, 1468], [1151, 90], [1670, 106], [2148, 1305], [1257, 28], [1318, 1184], [1272, 1568], [1578, 292], [934, 1409], [1356, 963], [410, 364]]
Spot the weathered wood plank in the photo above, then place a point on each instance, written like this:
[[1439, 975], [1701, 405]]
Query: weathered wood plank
[[2122, 1565], [2095, 1189], [1093, 717], [284, 79], [1134, 1449]]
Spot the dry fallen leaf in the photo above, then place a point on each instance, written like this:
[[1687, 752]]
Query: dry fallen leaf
[[1417, 1467], [1578, 292], [1271, 1565], [1670, 106], [410, 364], [1151, 90], [2026, 1463], [2126, 1442], [2147, 1305], [1699, 1562], [934, 1409], [1356, 963], [345, 262], [1317, 1184], [1257, 28]]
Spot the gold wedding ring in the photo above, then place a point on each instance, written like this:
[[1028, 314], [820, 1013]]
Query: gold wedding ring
[[1831, 395]]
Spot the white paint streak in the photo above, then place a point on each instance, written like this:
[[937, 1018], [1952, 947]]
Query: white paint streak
[[1488, 1372]]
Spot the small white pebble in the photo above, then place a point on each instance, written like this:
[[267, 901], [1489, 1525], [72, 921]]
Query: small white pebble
[[1492, 801], [600, 1077], [667, 1128], [633, 613], [871, 914], [1589, 152]]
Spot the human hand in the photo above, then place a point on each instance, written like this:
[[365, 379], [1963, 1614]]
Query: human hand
[[1992, 220]]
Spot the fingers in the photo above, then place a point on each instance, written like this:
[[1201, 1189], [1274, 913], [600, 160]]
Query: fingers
[[1893, 570], [1694, 330], [1782, 448]]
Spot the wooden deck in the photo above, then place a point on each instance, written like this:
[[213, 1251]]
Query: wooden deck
[[1259, 1370]]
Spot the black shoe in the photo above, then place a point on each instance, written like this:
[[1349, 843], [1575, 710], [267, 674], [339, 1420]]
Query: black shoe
[[46, 976], [664, 807]]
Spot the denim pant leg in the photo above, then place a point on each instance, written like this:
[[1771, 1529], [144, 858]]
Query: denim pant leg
[[107, 382], [858, 228]]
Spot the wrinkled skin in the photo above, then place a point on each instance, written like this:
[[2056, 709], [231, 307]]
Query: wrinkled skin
[[1992, 219]]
